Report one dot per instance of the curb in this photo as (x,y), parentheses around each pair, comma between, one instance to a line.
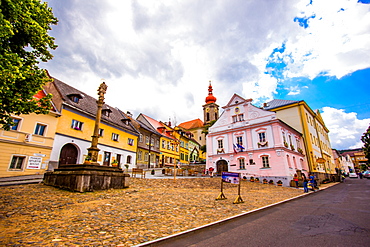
(219,222)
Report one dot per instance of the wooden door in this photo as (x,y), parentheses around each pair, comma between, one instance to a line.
(68,154)
(221,167)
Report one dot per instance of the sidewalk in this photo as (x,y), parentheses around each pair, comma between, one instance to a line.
(27,179)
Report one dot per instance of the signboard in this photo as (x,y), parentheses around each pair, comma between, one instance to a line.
(34,162)
(230,177)
(320,160)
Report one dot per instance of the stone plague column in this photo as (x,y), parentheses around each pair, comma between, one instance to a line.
(93,151)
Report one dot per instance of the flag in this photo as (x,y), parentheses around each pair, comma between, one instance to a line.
(235,148)
(241,148)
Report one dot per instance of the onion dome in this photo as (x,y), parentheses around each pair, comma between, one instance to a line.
(210,98)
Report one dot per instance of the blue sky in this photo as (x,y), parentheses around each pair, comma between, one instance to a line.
(157,57)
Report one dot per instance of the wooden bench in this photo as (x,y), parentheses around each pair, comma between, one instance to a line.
(137,171)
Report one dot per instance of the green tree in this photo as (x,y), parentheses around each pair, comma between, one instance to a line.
(366,140)
(24,42)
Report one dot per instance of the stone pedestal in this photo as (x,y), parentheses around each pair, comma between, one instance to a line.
(84,178)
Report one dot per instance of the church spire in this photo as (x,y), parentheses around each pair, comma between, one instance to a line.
(210,98)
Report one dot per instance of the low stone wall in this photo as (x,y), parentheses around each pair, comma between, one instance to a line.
(84,178)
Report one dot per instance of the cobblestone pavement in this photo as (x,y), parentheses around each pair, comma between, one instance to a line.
(39,215)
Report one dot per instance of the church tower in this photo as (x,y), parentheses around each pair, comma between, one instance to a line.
(210,109)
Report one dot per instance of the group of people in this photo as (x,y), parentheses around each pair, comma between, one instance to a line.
(310,181)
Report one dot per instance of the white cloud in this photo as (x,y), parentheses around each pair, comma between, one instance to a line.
(158,56)
(337,40)
(345,128)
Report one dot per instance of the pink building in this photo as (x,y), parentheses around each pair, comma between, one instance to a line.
(252,141)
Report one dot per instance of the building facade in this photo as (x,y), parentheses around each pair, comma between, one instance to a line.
(26,147)
(117,136)
(169,145)
(148,152)
(255,143)
(315,134)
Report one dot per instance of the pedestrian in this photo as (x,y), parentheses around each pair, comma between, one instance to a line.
(312,181)
(211,171)
(360,175)
(343,178)
(295,178)
(305,184)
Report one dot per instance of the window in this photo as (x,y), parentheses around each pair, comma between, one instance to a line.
(157,144)
(141,138)
(16,124)
(182,156)
(168,145)
(242,164)
(239,140)
(106,112)
(265,161)
(262,136)
(17,162)
(40,129)
(101,132)
(147,140)
(118,158)
(251,162)
(289,164)
(239,118)
(115,137)
(140,155)
(77,125)
(146,156)
(129,159)
(220,144)
(130,141)
(163,144)
(74,98)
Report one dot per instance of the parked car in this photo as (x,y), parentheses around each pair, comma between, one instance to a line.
(366,174)
(353,175)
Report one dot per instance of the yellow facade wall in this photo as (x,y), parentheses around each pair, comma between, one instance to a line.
(65,123)
(24,143)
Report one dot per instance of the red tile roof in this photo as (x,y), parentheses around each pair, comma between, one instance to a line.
(196,123)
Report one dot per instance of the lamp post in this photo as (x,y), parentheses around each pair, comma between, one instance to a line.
(93,151)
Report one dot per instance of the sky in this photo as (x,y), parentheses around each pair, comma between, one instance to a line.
(157,57)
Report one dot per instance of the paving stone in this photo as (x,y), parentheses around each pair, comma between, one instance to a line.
(39,215)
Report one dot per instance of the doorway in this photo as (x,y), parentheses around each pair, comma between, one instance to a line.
(221,167)
(68,154)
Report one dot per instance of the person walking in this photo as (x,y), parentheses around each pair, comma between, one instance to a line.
(312,182)
(305,183)
(295,178)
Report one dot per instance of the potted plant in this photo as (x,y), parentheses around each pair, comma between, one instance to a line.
(257,180)
(114,163)
(87,159)
(126,165)
(264,181)
(271,182)
(279,183)
(152,172)
(251,179)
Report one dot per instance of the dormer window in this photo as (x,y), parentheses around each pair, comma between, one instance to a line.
(75,97)
(126,120)
(106,112)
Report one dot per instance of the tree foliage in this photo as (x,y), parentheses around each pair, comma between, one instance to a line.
(366,140)
(24,42)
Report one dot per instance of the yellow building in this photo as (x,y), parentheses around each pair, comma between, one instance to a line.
(315,134)
(169,144)
(26,147)
(117,137)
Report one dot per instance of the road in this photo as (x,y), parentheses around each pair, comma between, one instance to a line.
(337,216)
